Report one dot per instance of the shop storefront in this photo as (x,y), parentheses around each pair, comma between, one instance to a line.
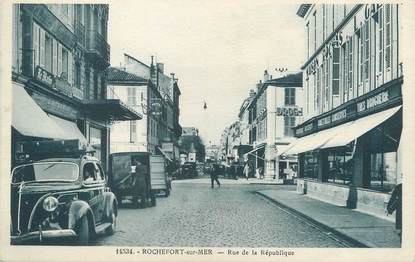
(55,117)
(256,160)
(351,155)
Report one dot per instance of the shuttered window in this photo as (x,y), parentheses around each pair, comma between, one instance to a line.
(336,72)
(388,36)
(48,53)
(36,39)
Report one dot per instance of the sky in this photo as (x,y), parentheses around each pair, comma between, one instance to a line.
(217,49)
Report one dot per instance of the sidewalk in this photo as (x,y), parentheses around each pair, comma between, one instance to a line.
(361,228)
(229,181)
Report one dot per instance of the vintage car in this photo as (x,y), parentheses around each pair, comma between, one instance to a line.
(61,198)
(188,170)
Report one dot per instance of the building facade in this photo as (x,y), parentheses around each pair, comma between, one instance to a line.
(349,139)
(190,131)
(273,112)
(212,153)
(59,59)
(149,91)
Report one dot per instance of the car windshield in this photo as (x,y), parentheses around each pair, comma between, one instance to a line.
(45,172)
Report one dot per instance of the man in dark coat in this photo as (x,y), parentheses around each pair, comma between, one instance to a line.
(395,203)
(214,174)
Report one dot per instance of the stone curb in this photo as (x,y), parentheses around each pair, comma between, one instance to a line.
(349,240)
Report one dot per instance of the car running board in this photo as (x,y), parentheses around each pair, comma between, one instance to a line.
(101,227)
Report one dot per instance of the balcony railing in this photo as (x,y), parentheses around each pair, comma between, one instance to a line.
(97,45)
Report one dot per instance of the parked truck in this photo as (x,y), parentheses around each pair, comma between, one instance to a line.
(138,176)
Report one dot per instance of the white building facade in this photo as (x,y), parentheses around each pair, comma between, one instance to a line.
(274,111)
(353,82)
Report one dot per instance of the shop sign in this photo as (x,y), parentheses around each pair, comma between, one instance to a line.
(371,9)
(304,129)
(339,115)
(289,111)
(373,101)
(324,121)
(167,147)
(337,40)
(44,76)
(312,67)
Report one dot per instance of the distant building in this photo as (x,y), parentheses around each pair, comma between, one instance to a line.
(190,131)
(244,119)
(274,110)
(156,96)
(212,153)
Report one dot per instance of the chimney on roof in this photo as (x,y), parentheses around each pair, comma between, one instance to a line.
(258,86)
(252,93)
(152,60)
(266,76)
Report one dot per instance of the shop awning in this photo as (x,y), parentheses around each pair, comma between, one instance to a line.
(315,141)
(29,119)
(111,109)
(359,127)
(164,154)
(340,135)
(283,148)
(254,150)
(70,129)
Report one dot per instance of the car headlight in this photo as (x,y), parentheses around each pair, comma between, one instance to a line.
(50,203)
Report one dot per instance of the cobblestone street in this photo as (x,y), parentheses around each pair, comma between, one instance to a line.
(231,216)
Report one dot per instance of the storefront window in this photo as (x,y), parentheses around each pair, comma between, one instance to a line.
(383,171)
(383,147)
(310,165)
(339,167)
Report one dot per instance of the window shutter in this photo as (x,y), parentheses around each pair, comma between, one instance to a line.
(70,68)
(35,45)
(55,56)
(42,48)
(59,59)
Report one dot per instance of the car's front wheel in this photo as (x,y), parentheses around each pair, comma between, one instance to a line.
(110,230)
(83,232)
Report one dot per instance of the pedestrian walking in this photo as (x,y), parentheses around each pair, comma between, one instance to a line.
(214,175)
(395,204)
(246,170)
(261,173)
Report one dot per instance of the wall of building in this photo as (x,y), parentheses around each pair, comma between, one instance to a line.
(123,137)
(357,57)
(136,67)
(354,65)
(53,49)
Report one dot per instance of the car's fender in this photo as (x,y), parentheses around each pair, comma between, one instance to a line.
(77,210)
(109,200)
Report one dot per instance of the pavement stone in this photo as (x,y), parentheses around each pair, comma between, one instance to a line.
(367,229)
(229,216)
